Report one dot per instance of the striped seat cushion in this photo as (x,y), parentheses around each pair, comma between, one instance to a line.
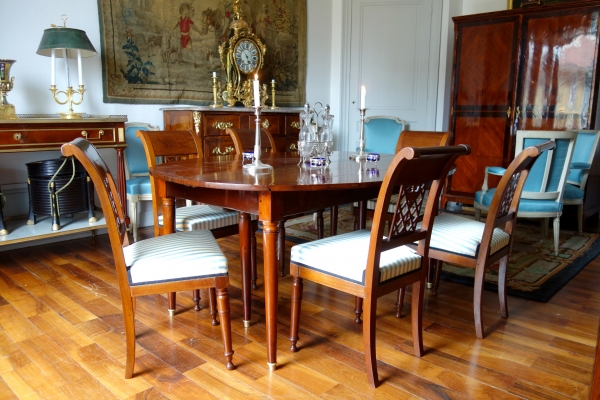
(202,216)
(345,256)
(461,235)
(182,255)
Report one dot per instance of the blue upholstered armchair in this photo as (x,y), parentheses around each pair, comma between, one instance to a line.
(585,149)
(542,195)
(136,171)
(382,133)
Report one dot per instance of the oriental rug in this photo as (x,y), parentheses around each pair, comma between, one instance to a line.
(534,272)
(147,58)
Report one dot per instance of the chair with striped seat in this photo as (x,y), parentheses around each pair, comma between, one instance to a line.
(168,146)
(180,261)
(469,243)
(370,264)
(583,155)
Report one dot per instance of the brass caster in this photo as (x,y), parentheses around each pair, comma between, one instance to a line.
(30,222)
(246,324)
(171,313)
(272,366)
(3,232)
(93,219)
(429,285)
(55,227)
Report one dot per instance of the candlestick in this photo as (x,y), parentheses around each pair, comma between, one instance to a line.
(363,93)
(67,67)
(214,74)
(256,92)
(79,71)
(216,103)
(53,67)
(273,106)
(361,155)
(257,166)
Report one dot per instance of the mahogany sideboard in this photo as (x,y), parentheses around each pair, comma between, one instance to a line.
(210,125)
(532,68)
(31,133)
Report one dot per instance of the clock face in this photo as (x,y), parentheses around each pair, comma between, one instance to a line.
(246,56)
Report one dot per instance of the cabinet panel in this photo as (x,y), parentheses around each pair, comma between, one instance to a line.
(216,124)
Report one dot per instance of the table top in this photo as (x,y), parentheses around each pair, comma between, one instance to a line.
(227,173)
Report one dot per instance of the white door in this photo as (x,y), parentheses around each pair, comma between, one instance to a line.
(394,53)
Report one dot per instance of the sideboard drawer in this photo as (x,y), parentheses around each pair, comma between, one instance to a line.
(218,145)
(42,138)
(292,125)
(267,122)
(216,124)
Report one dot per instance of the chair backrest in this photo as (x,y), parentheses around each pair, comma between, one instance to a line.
(108,195)
(583,155)
(163,147)
(422,139)
(135,159)
(548,174)
(382,133)
(412,172)
(244,139)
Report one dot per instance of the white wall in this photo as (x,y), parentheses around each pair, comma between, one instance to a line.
(481,6)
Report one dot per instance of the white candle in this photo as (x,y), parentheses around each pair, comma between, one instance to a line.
(53,67)
(79,71)
(273,81)
(67,67)
(214,74)
(256,92)
(363,93)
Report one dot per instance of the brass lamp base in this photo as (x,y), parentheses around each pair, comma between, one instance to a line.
(7,111)
(71,115)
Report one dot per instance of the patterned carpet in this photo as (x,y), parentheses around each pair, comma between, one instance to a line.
(533,270)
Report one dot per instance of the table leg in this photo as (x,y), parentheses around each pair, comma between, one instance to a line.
(244,235)
(362,224)
(169,227)
(333,221)
(271,289)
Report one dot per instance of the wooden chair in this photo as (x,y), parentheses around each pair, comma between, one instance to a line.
(180,145)
(180,261)
(370,264)
(243,140)
(472,244)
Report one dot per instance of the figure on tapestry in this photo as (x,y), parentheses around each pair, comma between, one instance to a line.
(185,25)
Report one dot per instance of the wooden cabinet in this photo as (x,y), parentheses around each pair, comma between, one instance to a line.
(530,68)
(210,124)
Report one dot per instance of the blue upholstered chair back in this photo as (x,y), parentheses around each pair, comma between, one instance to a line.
(382,133)
(134,152)
(548,175)
(585,148)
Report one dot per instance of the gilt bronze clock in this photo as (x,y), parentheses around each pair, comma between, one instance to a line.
(247,56)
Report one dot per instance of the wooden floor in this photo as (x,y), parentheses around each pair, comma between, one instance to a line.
(62,337)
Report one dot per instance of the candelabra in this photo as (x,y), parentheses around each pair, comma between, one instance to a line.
(273,106)
(257,166)
(70,94)
(361,155)
(216,103)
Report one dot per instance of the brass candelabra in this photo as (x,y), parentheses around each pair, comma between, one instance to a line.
(70,94)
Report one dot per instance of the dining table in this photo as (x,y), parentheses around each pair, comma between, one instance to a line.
(288,188)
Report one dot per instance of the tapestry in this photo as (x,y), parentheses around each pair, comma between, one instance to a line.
(165,51)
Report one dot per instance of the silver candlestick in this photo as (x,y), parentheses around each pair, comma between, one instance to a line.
(361,155)
(257,166)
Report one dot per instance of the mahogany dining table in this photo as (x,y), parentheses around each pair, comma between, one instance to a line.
(288,189)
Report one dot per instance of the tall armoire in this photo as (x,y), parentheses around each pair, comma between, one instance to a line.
(529,68)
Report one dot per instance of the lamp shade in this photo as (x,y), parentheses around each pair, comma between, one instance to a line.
(65,38)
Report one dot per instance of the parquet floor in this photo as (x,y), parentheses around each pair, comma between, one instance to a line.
(61,337)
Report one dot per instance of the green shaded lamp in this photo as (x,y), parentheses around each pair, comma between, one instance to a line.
(63,42)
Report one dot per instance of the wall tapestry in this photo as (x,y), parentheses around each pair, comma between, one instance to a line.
(164,51)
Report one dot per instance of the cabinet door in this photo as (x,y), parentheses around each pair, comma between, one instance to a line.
(557,70)
(483,92)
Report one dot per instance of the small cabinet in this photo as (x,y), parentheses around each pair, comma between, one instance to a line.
(211,124)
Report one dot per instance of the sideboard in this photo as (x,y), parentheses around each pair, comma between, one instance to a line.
(31,133)
(210,125)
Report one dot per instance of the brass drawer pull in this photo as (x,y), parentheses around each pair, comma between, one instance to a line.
(222,125)
(228,149)
(293,146)
(295,124)
(266,124)
(84,134)
(17,136)
(101,132)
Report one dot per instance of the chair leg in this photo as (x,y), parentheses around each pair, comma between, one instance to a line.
(544,227)
(245,234)
(297,288)
(133,218)
(580,218)
(281,247)
(358,309)
(320,223)
(172,298)
(224,313)
(369,340)
(556,234)
(418,290)
(502,287)
(196,294)
(253,270)
(129,320)
(212,306)
(400,302)
(436,277)
(477,214)
(477,295)
(333,219)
